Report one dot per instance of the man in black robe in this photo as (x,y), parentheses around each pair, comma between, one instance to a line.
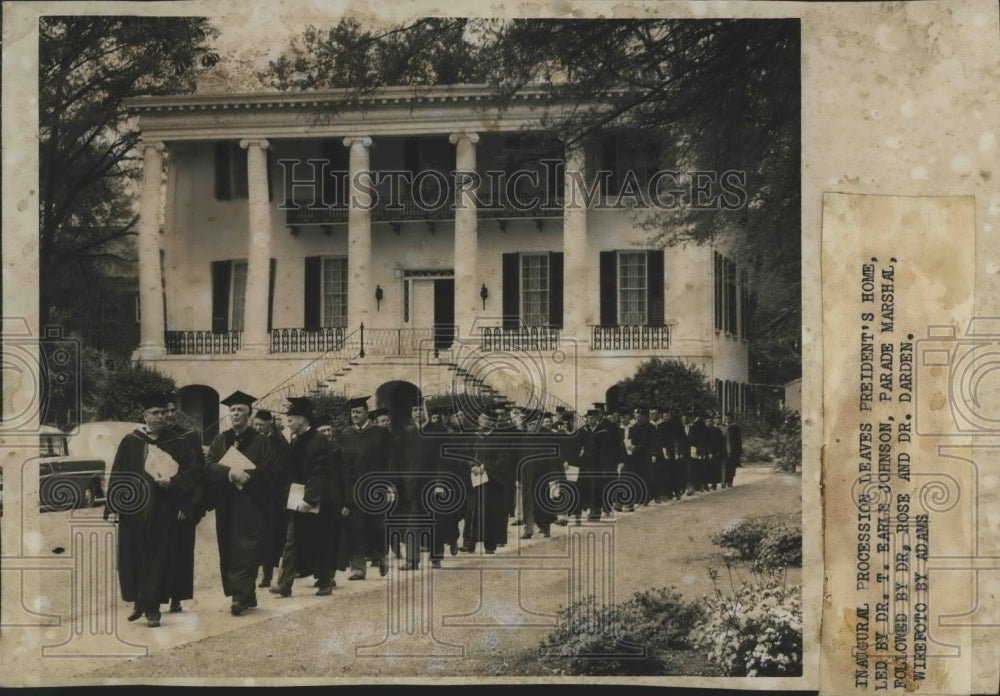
(313,530)
(242,473)
(182,551)
(367,455)
(153,478)
(493,497)
(644,456)
(272,542)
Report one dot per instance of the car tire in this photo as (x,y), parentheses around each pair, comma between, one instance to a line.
(89,497)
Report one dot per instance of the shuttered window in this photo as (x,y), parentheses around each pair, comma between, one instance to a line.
(533,290)
(632,288)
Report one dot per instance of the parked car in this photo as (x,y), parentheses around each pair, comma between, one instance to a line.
(67,481)
(100,440)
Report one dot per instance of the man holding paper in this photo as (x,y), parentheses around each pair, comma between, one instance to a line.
(152,479)
(316,501)
(242,472)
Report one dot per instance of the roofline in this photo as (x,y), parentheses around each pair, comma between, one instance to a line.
(399,94)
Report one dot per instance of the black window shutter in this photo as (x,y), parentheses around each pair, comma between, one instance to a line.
(609,288)
(221,272)
(223,169)
(511,291)
(313,300)
(556,289)
(270,292)
(654,287)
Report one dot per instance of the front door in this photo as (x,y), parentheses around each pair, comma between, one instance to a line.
(444,313)
(429,311)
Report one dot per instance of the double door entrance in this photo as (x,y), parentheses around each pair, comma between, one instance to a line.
(429,304)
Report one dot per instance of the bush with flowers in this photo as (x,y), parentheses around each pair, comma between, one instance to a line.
(754,630)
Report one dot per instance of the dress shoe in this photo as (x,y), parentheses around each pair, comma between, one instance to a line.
(264,583)
(252,604)
(237,608)
(383,568)
(281,591)
(324,591)
(355,576)
(153,619)
(454,549)
(136,613)
(175,606)
(526,535)
(491,551)
(466,549)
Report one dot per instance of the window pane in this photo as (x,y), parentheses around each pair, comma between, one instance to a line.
(239,295)
(335,292)
(632,288)
(535,289)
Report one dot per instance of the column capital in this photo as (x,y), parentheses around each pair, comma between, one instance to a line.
(362,139)
(157,145)
(261,143)
(463,135)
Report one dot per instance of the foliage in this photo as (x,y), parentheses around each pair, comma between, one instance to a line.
(743,535)
(87,159)
(756,629)
(668,384)
(629,638)
(788,443)
(333,407)
(756,450)
(118,395)
(781,547)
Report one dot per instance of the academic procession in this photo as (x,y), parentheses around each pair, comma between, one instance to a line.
(295,500)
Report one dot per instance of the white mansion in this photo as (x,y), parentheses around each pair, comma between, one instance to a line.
(292,244)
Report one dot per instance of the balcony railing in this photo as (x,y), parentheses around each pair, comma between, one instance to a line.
(409,210)
(521,338)
(307,340)
(407,341)
(202,342)
(630,337)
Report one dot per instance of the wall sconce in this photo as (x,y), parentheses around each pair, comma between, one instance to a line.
(378,297)
(484,293)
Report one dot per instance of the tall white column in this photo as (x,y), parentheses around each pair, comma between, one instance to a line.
(151,338)
(467,300)
(255,338)
(577,291)
(360,292)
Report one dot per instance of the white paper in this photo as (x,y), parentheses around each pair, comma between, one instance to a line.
(296,498)
(237,461)
(480,478)
(160,465)
(572,473)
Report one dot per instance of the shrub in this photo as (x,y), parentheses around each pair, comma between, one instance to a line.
(744,535)
(628,638)
(756,449)
(781,547)
(756,630)
(788,443)
(119,393)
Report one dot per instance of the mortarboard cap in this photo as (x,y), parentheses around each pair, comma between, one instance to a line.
(358,402)
(238,397)
(154,399)
(547,414)
(263,414)
(378,412)
(560,409)
(300,406)
(594,412)
(598,405)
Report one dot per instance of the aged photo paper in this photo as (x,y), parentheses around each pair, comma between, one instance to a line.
(899,399)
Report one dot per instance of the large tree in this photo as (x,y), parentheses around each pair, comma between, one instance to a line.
(88,165)
(716,95)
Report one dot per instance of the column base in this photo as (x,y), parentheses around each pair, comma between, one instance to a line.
(149,351)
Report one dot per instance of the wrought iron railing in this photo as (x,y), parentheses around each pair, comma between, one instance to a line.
(202,342)
(410,210)
(407,341)
(521,338)
(630,337)
(307,340)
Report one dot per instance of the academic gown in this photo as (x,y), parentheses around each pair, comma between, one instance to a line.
(241,514)
(147,514)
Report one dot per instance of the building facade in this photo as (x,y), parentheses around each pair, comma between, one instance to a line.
(299,244)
